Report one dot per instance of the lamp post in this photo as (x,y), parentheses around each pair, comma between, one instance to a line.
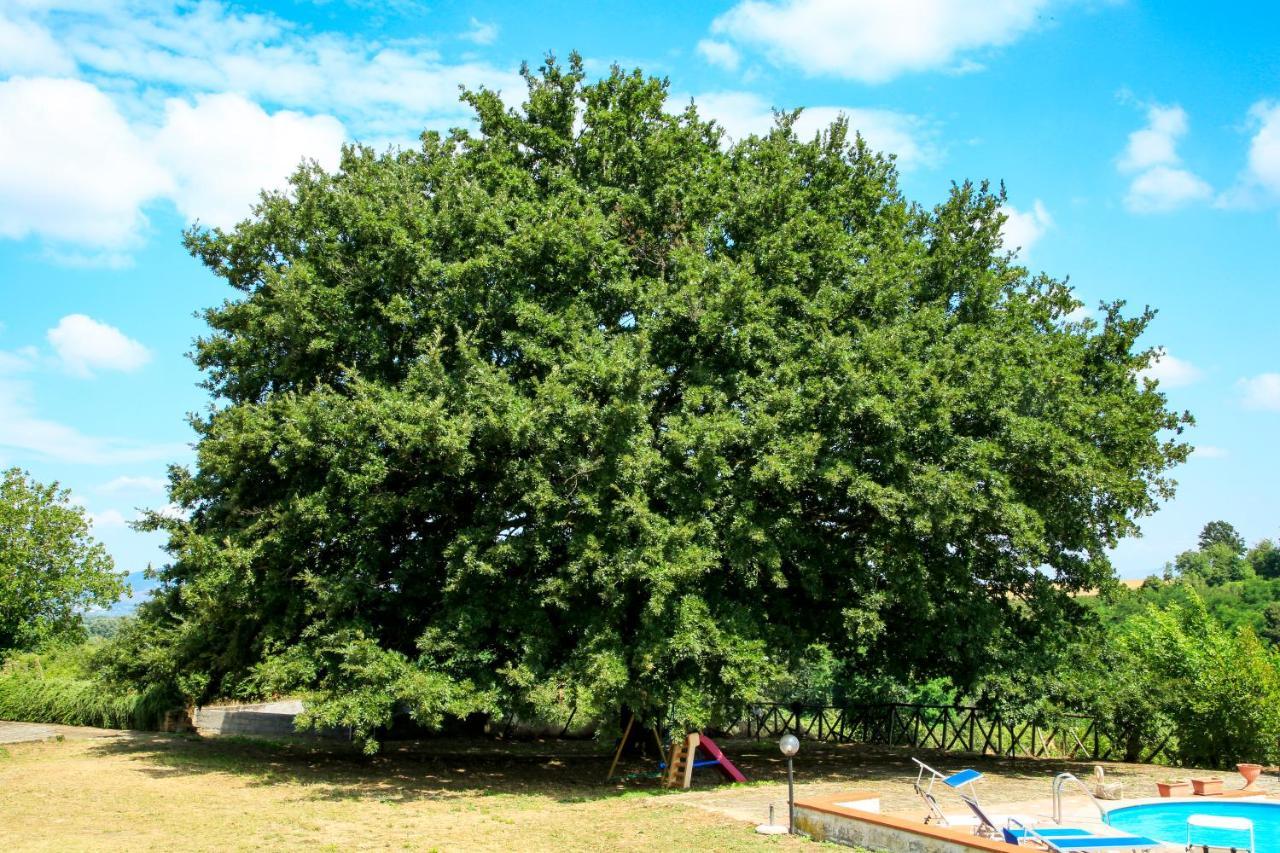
(789,744)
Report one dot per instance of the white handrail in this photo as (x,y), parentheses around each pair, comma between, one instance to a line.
(1058,782)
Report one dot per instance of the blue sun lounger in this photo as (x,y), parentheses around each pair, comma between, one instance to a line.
(1065,839)
(958,781)
(985,827)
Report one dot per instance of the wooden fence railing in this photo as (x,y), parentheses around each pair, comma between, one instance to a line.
(942,727)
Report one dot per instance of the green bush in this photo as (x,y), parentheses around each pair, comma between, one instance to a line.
(1165,667)
(1221,687)
(58,685)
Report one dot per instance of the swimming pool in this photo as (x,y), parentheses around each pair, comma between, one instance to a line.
(1168,822)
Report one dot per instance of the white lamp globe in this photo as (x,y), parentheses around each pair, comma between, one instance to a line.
(789,744)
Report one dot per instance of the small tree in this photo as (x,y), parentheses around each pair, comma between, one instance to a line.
(1222,533)
(1265,559)
(1214,564)
(51,569)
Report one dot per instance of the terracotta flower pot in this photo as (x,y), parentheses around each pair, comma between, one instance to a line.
(1250,772)
(1174,787)
(1207,787)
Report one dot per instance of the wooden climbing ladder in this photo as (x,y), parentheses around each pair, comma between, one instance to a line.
(680,765)
(684,758)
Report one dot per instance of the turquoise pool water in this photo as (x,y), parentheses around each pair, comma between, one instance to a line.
(1168,822)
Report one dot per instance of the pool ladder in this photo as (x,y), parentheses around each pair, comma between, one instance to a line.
(1060,780)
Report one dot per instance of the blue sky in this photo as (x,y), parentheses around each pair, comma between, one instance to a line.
(1139,142)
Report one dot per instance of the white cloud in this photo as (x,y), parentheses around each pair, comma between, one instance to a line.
(481,33)
(108,518)
(18,361)
(1261,177)
(80,159)
(376,87)
(26,47)
(223,150)
(172,511)
(876,40)
(71,167)
(1078,314)
(1160,184)
(74,170)
(84,345)
(1264,149)
(1022,229)
(909,137)
(134,485)
(1163,190)
(23,430)
(1208,451)
(1261,391)
(1172,372)
(719,53)
(1155,144)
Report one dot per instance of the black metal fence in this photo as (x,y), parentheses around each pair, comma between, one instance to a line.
(944,727)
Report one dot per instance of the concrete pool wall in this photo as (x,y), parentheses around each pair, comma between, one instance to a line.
(854,819)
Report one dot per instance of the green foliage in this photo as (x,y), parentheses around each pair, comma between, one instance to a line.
(1216,563)
(1183,658)
(51,569)
(60,685)
(590,398)
(1220,687)
(1222,557)
(1108,679)
(1222,533)
(1233,604)
(1264,559)
(1270,629)
(813,678)
(99,626)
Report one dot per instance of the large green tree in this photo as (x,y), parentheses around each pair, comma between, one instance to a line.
(590,397)
(51,569)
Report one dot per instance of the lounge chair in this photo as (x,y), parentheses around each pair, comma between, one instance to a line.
(1065,839)
(985,826)
(957,781)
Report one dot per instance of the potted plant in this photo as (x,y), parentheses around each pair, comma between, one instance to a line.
(1207,787)
(1250,773)
(1174,787)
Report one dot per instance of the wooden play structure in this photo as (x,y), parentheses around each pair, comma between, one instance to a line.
(682,759)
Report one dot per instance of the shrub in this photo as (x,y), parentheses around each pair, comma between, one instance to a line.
(58,686)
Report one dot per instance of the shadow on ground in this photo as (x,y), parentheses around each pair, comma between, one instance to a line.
(564,771)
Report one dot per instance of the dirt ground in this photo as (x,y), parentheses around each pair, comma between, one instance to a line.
(22,732)
(151,791)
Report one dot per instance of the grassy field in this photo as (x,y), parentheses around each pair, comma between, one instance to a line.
(142,792)
(138,791)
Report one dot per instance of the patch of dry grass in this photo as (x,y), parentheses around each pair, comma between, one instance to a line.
(142,792)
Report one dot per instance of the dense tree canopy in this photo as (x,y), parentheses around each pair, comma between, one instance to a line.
(51,569)
(591,398)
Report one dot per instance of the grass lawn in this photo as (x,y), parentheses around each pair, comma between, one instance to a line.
(100,790)
(147,791)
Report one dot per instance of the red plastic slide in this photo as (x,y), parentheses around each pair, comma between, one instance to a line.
(724,765)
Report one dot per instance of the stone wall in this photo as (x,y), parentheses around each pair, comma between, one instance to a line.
(267,719)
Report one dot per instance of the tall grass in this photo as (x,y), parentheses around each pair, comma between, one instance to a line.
(57,686)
